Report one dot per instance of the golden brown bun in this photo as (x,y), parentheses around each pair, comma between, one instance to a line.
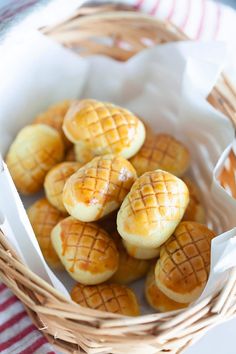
(35,150)
(161,151)
(54,117)
(153,208)
(141,252)
(55,181)
(195,210)
(129,269)
(98,188)
(182,270)
(107,297)
(43,217)
(70,155)
(100,128)
(89,255)
(156,298)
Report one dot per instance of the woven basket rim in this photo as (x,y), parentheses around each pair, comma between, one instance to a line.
(51,311)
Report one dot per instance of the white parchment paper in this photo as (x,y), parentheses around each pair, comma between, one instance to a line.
(167,86)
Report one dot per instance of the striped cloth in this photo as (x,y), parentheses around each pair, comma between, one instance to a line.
(17,333)
(200,20)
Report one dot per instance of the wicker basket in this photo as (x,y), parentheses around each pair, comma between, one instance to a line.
(65,324)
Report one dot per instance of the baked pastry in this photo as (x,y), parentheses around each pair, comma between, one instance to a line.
(107,297)
(161,151)
(182,270)
(156,298)
(100,128)
(153,208)
(55,181)
(89,255)
(129,269)
(54,117)
(195,210)
(35,150)
(43,217)
(98,187)
(141,252)
(70,155)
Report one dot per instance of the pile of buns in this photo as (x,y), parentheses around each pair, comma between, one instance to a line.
(118,206)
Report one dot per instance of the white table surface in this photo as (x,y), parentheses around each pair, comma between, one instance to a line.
(219,340)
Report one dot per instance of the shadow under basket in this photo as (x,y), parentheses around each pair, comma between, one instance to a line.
(68,326)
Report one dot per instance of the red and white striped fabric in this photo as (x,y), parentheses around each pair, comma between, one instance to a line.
(200,20)
(17,333)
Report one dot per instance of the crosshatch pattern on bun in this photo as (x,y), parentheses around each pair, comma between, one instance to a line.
(100,128)
(183,267)
(99,187)
(55,181)
(152,209)
(156,298)
(87,252)
(161,151)
(107,297)
(35,150)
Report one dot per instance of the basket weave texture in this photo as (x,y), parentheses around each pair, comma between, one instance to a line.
(67,325)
